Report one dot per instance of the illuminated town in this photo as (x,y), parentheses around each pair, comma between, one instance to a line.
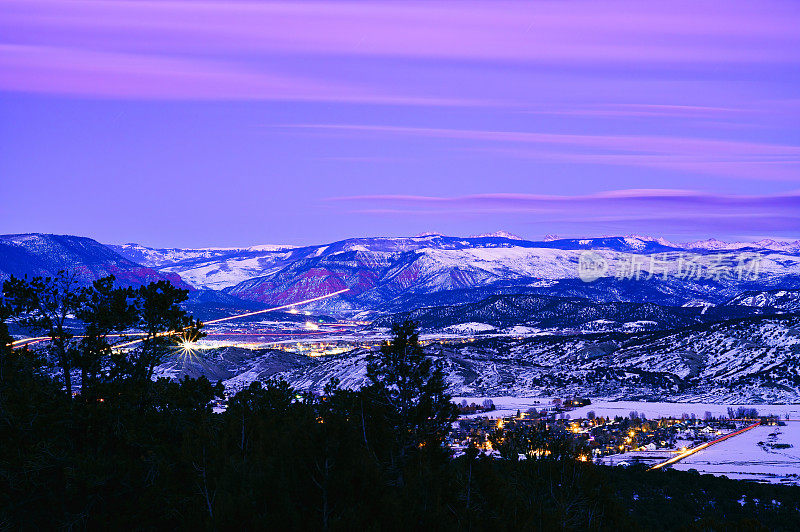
(619,440)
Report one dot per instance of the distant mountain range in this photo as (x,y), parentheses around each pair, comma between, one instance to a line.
(395,275)
(400,274)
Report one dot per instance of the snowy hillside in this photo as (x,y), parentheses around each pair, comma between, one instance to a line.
(42,254)
(753,360)
(786,300)
(209,268)
(540,311)
(767,243)
(657,334)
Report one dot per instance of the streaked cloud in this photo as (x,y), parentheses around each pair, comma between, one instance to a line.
(657,210)
(231,47)
(72,71)
(727,158)
(583,30)
(427,99)
(647,110)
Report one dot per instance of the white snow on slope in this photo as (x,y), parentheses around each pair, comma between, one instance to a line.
(757,454)
(217,275)
(443,268)
(498,234)
(656,410)
(767,243)
(470,327)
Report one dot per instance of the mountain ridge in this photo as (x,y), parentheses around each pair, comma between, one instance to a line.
(38,254)
(383,272)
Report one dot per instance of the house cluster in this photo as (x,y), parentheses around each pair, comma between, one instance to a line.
(464,408)
(604,436)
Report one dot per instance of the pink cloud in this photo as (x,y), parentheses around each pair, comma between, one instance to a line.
(737,166)
(647,110)
(217,37)
(551,31)
(632,143)
(622,194)
(778,212)
(44,69)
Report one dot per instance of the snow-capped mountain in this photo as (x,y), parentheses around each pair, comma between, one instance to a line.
(404,273)
(500,234)
(222,268)
(159,257)
(659,334)
(381,271)
(208,268)
(766,243)
(377,277)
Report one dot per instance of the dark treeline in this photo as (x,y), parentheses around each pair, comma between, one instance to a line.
(132,452)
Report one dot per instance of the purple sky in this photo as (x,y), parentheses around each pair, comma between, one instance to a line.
(218,123)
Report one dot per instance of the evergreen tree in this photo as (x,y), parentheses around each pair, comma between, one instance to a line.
(44,305)
(6,348)
(163,322)
(105,310)
(412,391)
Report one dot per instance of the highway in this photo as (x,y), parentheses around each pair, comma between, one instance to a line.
(706,445)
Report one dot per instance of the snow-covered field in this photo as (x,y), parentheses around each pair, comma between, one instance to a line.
(757,454)
(507,406)
(657,410)
(470,328)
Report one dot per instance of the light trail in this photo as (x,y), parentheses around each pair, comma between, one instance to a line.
(317,333)
(237,316)
(26,340)
(30,341)
(704,446)
(37,339)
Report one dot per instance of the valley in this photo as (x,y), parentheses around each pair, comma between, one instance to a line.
(503,316)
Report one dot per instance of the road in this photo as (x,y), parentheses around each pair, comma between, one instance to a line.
(706,445)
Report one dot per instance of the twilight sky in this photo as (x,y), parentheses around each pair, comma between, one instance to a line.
(225,123)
